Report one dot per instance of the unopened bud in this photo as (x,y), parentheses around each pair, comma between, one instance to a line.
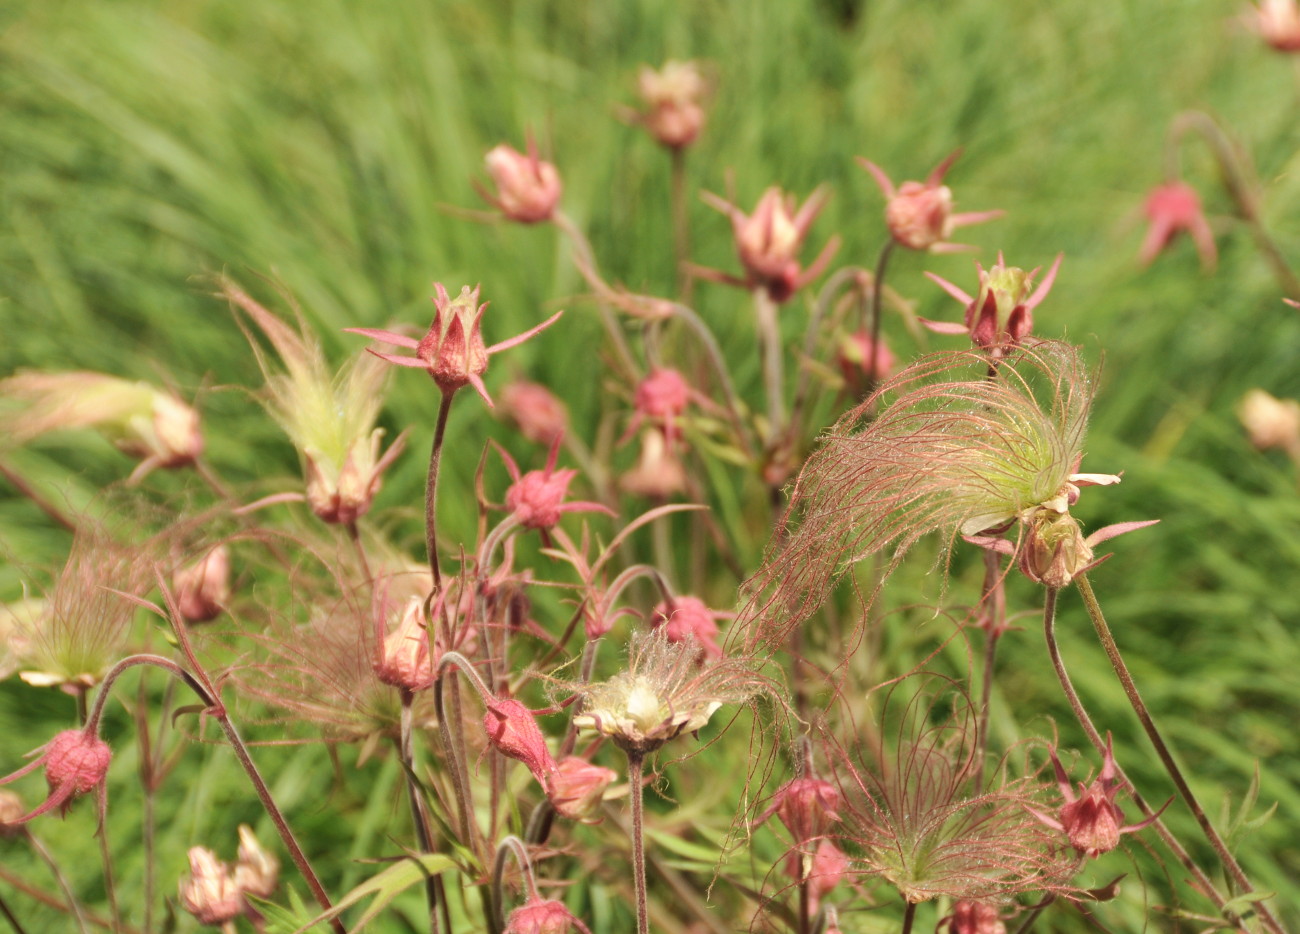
(975,918)
(806,806)
(210,892)
(257,871)
(203,589)
(576,787)
(403,657)
(528,188)
(686,618)
(513,731)
(78,760)
(541,416)
(542,916)
(672,95)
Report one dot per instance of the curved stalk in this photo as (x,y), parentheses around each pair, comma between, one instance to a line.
(1162,750)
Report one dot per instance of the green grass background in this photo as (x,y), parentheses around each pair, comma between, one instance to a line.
(146,145)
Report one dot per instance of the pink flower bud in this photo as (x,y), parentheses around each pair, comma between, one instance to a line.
(658,473)
(528,189)
(861,365)
(1171,209)
(806,806)
(919,214)
(1092,821)
(210,892)
(828,867)
(672,95)
(542,916)
(257,871)
(513,732)
(975,918)
(403,658)
(541,416)
(576,787)
(1278,23)
(537,497)
(11,812)
(76,760)
(202,590)
(661,398)
(687,618)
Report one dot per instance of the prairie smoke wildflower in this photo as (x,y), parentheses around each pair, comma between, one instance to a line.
(540,416)
(452,351)
(1271,422)
(823,869)
(575,787)
(202,589)
(76,763)
(663,693)
(658,473)
(949,451)
(143,421)
(1002,315)
(1091,820)
(807,806)
(402,656)
(543,916)
(912,816)
(512,730)
(673,114)
(660,399)
(970,917)
(1277,22)
(330,417)
(210,892)
(769,242)
(919,214)
(687,619)
(860,362)
(537,498)
(528,188)
(1171,209)
(256,871)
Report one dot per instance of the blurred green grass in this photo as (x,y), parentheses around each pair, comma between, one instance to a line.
(147,145)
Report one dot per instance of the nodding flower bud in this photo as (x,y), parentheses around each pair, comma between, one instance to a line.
(75,762)
(672,95)
(1278,23)
(827,867)
(1171,209)
(528,188)
(806,806)
(1091,820)
(402,659)
(970,917)
(513,731)
(11,812)
(1053,549)
(687,618)
(210,892)
(257,871)
(576,787)
(542,916)
(1271,422)
(862,363)
(537,497)
(661,398)
(202,589)
(541,417)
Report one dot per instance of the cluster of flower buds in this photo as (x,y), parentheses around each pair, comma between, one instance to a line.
(216,894)
(673,115)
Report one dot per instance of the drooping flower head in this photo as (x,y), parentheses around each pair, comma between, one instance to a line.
(145,422)
(769,242)
(537,498)
(202,589)
(528,187)
(330,417)
(672,95)
(575,787)
(1091,820)
(861,363)
(540,415)
(664,692)
(543,916)
(1171,209)
(919,214)
(210,892)
(661,399)
(452,351)
(685,619)
(939,448)
(76,763)
(512,730)
(807,806)
(1001,316)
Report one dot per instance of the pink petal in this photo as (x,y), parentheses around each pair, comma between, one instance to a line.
(1119,528)
(936,175)
(1094,479)
(943,327)
(477,382)
(583,506)
(386,337)
(398,359)
(975,217)
(886,186)
(949,288)
(531,332)
(1045,286)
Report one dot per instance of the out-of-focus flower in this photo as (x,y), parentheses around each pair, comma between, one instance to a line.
(542,916)
(402,658)
(658,473)
(575,787)
(1171,209)
(1091,820)
(663,693)
(769,242)
(19,622)
(512,730)
(919,214)
(329,417)
(540,415)
(1002,315)
(861,364)
(11,812)
(1277,22)
(202,589)
(672,96)
(210,892)
(76,762)
(528,187)
(537,498)
(1271,422)
(143,421)
(257,870)
(452,351)
(807,806)
(687,619)
(660,399)
(827,867)
(970,917)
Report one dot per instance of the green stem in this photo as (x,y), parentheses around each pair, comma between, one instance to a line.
(1162,750)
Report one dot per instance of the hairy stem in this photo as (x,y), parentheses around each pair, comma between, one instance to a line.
(909,915)
(74,906)
(19,483)
(877,289)
(431,490)
(423,837)
(635,773)
(1162,750)
(993,604)
(769,337)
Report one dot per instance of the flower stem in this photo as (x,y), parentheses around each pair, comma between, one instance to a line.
(1162,749)
(909,915)
(406,750)
(877,289)
(769,336)
(635,773)
(993,604)
(431,490)
(681,226)
(60,879)
(1203,883)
